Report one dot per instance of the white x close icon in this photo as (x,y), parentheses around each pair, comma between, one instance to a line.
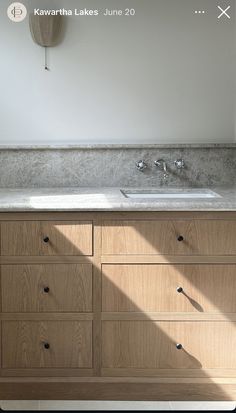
(224,12)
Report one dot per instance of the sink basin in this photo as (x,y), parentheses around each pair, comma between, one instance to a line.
(170,193)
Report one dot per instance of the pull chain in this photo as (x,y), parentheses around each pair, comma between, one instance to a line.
(46,58)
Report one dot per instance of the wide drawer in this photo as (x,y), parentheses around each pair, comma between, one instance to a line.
(45,288)
(176,288)
(150,345)
(33,238)
(172,237)
(47,344)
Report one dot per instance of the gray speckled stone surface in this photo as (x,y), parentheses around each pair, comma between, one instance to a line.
(114,167)
(106,199)
(119,146)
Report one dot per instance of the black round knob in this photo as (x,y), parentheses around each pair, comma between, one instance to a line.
(46,239)
(179,290)
(46,289)
(180,238)
(179,346)
(47,346)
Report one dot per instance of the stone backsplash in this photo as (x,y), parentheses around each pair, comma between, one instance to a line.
(114,166)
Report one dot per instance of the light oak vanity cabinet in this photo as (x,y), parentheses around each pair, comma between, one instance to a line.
(118,306)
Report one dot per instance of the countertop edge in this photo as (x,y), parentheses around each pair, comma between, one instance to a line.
(116,146)
(110,200)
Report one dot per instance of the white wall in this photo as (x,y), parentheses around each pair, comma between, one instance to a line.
(165,75)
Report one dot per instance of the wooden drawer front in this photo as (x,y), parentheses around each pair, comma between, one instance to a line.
(26,238)
(150,345)
(201,237)
(25,288)
(23,344)
(206,288)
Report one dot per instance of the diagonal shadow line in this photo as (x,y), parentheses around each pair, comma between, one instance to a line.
(166,342)
(214,296)
(116,300)
(219,305)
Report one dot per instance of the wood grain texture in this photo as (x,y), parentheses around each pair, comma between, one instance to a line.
(132,343)
(167,259)
(23,344)
(48,216)
(206,288)
(148,344)
(25,238)
(46,316)
(164,215)
(113,380)
(70,288)
(20,238)
(97,300)
(201,237)
(117,391)
(167,316)
(212,375)
(53,259)
(67,238)
(46,373)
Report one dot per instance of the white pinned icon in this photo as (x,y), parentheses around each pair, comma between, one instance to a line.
(224,12)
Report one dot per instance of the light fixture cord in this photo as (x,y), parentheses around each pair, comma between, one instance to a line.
(46,58)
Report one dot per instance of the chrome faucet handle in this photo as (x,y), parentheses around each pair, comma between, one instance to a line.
(179,163)
(141,165)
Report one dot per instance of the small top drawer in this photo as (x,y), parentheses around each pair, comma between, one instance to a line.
(47,238)
(173,237)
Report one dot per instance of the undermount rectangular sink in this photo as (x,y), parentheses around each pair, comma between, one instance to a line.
(170,193)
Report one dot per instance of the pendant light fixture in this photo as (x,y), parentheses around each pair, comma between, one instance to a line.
(46,32)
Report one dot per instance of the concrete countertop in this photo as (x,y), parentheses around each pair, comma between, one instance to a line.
(108,199)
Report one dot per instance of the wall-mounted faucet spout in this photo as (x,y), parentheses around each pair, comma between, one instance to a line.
(162,165)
